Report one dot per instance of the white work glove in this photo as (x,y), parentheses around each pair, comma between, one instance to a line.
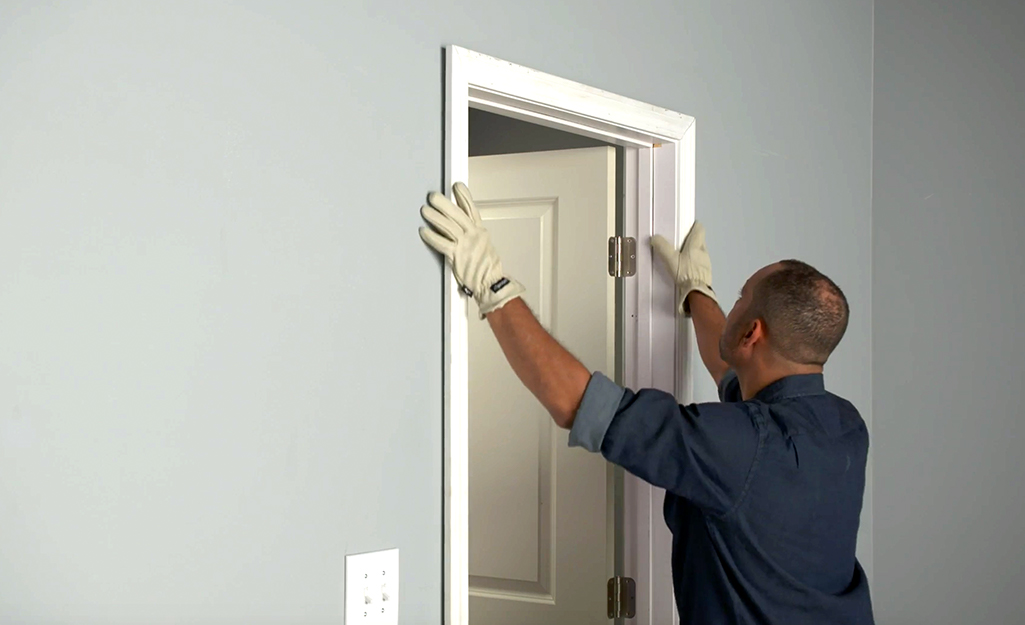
(690,268)
(458,233)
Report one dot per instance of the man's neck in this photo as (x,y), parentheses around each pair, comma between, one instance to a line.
(754,379)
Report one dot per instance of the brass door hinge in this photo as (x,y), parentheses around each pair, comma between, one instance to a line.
(622,597)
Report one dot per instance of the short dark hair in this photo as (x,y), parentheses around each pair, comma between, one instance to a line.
(805,313)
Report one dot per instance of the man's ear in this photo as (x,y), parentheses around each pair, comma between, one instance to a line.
(755,332)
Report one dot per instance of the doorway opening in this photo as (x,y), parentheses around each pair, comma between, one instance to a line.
(542,516)
(557,168)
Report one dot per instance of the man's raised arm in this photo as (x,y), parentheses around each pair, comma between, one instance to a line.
(691,269)
(545,367)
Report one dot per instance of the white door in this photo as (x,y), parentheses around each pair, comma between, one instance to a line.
(540,539)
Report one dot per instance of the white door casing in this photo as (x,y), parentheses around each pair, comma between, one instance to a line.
(660,192)
(538,548)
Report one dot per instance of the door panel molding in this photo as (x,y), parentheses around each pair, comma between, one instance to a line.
(538,586)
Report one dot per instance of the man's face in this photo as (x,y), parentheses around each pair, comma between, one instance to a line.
(738,322)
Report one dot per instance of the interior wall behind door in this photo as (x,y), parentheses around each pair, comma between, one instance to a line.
(497,134)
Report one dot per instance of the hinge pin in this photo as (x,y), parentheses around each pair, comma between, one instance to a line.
(622,257)
(622,597)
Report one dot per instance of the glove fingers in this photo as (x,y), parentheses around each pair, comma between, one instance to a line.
(695,238)
(664,250)
(440,222)
(465,201)
(440,244)
(443,205)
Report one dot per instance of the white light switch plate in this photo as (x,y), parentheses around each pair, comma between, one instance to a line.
(372,588)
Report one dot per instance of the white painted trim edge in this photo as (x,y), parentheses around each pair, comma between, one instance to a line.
(565,99)
(456,544)
(668,209)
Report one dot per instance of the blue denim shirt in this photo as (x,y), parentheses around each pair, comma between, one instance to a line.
(763,497)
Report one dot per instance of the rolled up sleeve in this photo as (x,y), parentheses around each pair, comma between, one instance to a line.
(597,409)
(701,452)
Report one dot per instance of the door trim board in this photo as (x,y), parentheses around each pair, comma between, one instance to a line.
(660,192)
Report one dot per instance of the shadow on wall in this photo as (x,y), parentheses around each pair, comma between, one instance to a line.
(497,134)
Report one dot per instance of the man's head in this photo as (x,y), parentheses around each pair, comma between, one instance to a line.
(787,312)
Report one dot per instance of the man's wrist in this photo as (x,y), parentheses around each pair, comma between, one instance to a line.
(503,291)
(697,295)
(688,290)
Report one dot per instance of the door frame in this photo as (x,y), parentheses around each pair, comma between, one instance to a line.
(659,199)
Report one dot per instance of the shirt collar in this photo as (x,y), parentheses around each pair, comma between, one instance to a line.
(792,386)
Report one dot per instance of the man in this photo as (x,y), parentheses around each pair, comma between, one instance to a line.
(764,490)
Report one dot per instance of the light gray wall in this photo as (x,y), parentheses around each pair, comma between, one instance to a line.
(948,298)
(220,347)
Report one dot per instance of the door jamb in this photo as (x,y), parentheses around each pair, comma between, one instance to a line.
(660,198)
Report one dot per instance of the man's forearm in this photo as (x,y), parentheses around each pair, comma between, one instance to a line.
(709,322)
(551,373)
